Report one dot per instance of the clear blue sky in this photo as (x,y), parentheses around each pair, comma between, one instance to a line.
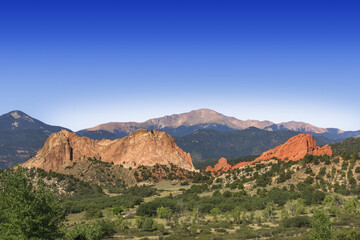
(82,63)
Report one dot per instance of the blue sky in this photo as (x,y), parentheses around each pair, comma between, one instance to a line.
(82,63)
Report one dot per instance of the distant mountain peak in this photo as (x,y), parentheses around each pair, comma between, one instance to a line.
(19,115)
(18,120)
(21,136)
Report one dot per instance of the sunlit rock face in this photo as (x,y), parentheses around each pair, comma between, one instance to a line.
(142,147)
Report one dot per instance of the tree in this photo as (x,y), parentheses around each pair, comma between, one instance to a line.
(215,212)
(268,212)
(236,213)
(321,226)
(148,224)
(118,210)
(333,202)
(27,211)
(163,212)
(352,206)
(93,212)
(86,231)
(294,207)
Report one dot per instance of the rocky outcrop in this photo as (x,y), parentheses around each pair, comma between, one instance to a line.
(292,150)
(142,147)
(222,165)
(296,148)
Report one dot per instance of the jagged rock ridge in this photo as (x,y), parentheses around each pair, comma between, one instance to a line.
(143,147)
(296,148)
(292,150)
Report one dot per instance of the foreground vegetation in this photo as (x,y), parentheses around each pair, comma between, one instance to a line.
(314,198)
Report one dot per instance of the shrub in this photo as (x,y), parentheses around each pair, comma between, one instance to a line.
(297,221)
(118,210)
(308,170)
(322,171)
(86,231)
(93,213)
(309,180)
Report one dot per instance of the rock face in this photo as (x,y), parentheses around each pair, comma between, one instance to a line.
(142,147)
(222,165)
(296,148)
(292,150)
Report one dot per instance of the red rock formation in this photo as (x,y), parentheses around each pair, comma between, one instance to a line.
(293,149)
(296,148)
(242,164)
(222,165)
(139,148)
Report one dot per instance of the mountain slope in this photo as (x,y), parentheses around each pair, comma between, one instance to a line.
(349,145)
(209,144)
(21,136)
(185,123)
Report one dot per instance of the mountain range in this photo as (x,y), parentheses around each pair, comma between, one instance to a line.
(201,132)
(186,123)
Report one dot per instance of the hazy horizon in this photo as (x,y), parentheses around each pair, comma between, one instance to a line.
(78,65)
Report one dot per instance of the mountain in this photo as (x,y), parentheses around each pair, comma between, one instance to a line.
(18,120)
(98,134)
(349,145)
(331,133)
(297,127)
(210,144)
(294,149)
(185,123)
(21,136)
(141,148)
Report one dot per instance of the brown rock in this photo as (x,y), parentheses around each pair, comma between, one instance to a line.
(222,165)
(142,147)
(292,150)
(296,148)
(241,164)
